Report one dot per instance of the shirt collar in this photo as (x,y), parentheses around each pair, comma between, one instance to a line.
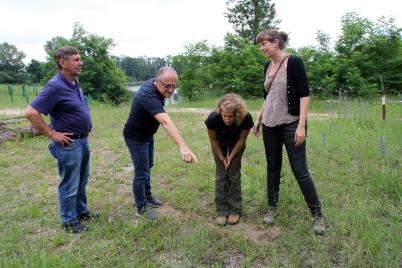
(69,84)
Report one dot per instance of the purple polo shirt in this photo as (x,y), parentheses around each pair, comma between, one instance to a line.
(66,104)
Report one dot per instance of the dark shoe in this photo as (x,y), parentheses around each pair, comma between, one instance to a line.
(153,202)
(88,216)
(319,224)
(146,213)
(74,227)
(269,218)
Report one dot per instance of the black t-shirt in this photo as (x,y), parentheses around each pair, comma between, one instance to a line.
(227,134)
(141,124)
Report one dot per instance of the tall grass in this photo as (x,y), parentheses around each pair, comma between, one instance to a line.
(354,158)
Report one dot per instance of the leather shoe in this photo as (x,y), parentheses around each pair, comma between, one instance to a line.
(153,202)
(88,216)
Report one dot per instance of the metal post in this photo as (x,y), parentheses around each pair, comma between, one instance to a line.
(382,98)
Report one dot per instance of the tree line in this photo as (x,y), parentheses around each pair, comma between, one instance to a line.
(364,51)
(353,65)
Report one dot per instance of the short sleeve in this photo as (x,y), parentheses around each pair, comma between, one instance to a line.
(211,121)
(154,105)
(247,122)
(46,100)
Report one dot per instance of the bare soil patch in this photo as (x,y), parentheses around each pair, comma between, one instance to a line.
(11,112)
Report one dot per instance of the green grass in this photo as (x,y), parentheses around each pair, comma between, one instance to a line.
(360,188)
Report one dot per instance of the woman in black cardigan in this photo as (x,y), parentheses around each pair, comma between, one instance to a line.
(284,121)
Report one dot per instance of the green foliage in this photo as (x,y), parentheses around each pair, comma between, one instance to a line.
(142,68)
(11,65)
(364,51)
(249,17)
(36,70)
(235,68)
(191,66)
(100,78)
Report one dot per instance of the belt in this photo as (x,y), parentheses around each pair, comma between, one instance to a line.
(79,136)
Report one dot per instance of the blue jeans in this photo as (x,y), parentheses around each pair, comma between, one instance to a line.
(274,138)
(142,155)
(73,164)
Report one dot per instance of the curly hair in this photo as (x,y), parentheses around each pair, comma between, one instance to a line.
(233,103)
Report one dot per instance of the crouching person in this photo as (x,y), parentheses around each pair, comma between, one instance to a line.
(228,127)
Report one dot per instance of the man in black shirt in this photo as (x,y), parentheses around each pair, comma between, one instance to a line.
(147,113)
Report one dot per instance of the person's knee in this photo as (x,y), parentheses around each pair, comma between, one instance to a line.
(301,174)
(66,191)
(140,178)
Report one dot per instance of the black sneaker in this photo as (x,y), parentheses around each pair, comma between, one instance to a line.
(74,227)
(88,216)
(146,213)
(153,202)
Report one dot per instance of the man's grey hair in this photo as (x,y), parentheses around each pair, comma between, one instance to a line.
(64,53)
(161,71)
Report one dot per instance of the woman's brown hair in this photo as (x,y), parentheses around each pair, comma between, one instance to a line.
(271,35)
(234,104)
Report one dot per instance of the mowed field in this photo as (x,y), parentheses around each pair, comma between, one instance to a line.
(353,156)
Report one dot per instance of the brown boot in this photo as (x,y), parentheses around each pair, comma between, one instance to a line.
(233,219)
(221,220)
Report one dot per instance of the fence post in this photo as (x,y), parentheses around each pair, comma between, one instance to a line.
(382,98)
(11,94)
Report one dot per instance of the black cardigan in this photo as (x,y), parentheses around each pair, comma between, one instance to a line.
(297,83)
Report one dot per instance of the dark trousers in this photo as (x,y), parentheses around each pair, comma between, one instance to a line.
(142,155)
(274,138)
(228,185)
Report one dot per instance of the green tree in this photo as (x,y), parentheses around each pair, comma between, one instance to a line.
(249,17)
(321,66)
(365,50)
(142,68)
(100,78)
(238,68)
(11,65)
(36,70)
(190,66)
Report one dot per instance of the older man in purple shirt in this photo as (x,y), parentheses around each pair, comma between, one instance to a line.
(70,119)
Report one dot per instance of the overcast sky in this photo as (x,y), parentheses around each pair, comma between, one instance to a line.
(157,28)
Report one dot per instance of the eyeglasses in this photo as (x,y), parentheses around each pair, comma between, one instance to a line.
(170,87)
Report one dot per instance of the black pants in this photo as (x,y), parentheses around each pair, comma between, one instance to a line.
(274,138)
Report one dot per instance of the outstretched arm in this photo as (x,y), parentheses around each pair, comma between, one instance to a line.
(186,154)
